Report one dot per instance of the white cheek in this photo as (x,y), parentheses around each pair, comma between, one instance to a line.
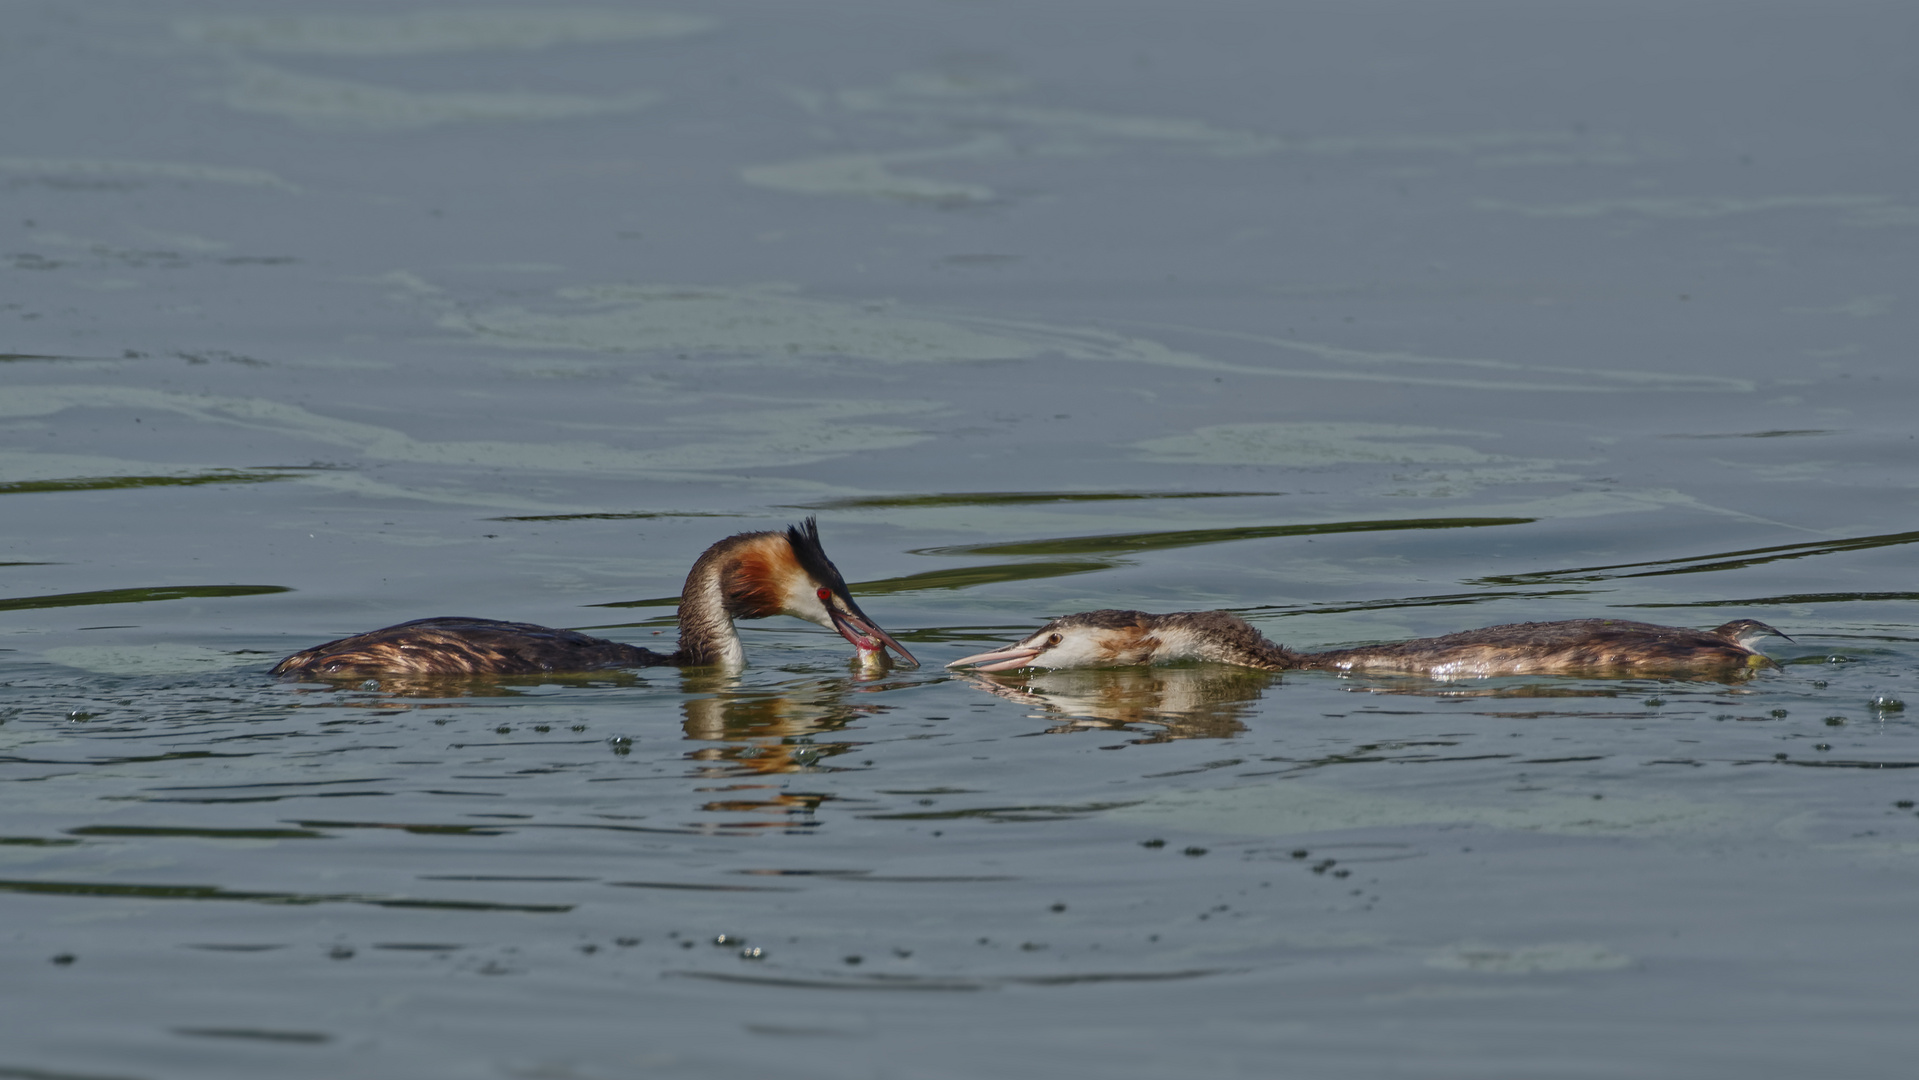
(802,601)
(1072,654)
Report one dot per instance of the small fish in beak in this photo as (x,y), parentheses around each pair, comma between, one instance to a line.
(863,632)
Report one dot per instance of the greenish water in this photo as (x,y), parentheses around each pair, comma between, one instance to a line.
(1364,322)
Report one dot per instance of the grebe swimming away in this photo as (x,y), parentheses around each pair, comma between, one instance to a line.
(748,576)
(1575,647)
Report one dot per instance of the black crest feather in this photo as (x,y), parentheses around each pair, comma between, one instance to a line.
(805,539)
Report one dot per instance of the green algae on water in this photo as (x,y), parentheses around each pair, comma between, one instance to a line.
(136,596)
(112,483)
(1117,543)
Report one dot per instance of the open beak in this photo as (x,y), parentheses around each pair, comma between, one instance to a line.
(855,627)
(1016,656)
(1752,631)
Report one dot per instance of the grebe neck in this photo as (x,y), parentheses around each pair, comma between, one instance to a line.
(707,633)
(1218,637)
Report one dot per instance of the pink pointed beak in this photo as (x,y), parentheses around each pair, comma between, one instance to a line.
(865,635)
(1016,656)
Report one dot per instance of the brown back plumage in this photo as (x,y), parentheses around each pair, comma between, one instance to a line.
(453,645)
(1570,647)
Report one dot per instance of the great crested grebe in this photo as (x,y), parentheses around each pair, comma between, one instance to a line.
(1574,647)
(748,576)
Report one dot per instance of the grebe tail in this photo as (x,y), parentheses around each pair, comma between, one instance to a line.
(747,576)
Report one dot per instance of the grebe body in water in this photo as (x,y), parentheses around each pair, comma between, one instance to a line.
(1574,647)
(748,576)
(1571,647)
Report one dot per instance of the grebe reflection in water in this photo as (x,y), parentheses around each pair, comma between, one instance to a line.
(748,576)
(1207,701)
(1575,647)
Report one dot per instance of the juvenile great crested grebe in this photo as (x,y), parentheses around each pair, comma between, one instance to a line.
(1575,647)
(748,576)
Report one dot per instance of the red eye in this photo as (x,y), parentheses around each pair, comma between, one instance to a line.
(824,595)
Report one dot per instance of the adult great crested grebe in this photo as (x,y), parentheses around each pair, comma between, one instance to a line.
(748,576)
(1574,647)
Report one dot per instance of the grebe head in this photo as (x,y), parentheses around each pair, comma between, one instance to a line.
(1089,639)
(789,574)
(1745,632)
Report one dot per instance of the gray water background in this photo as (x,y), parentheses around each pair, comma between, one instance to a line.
(1366,320)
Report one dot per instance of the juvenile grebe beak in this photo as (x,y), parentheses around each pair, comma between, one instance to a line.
(1016,656)
(863,632)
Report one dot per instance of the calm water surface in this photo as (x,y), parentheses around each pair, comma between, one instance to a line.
(1365,321)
